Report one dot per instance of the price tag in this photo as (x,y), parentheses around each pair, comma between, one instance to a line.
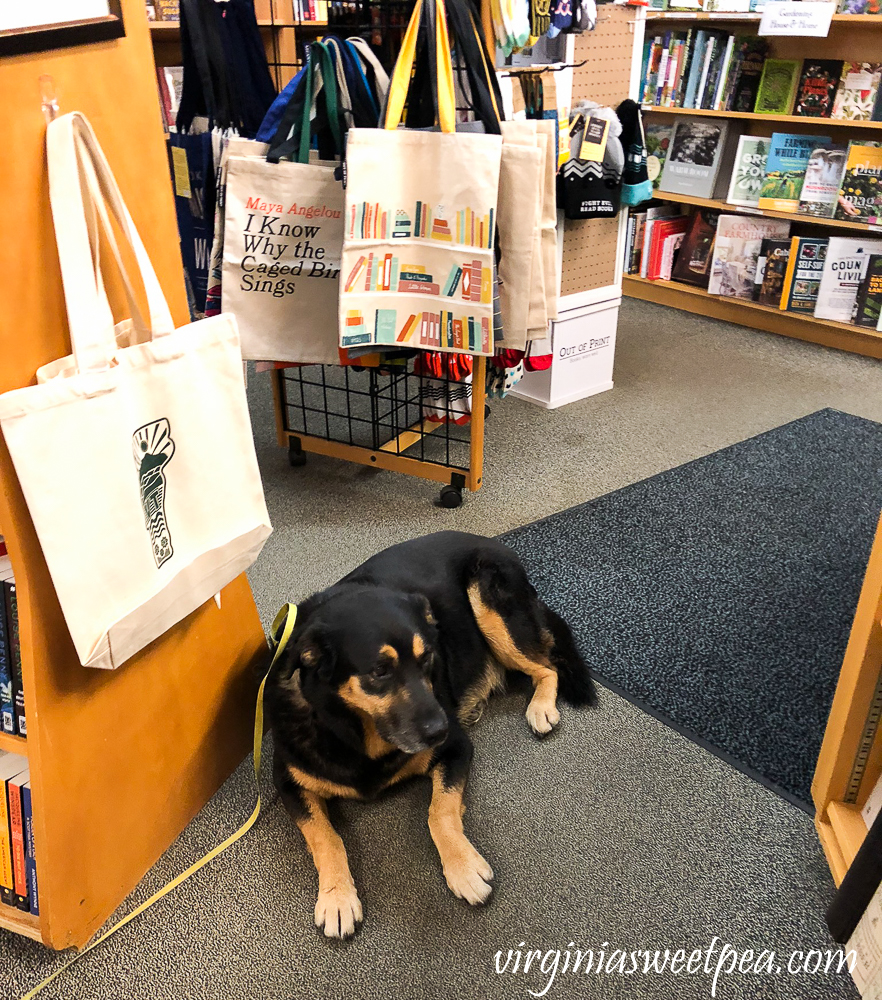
(792,17)
(181,171)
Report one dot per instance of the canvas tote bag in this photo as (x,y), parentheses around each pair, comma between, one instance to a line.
(283,236)
(420,219)
(137,462)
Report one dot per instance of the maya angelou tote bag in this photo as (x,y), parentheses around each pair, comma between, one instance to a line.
(417,268)
(283,236)
(135,454)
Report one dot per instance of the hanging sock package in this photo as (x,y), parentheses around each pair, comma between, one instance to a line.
(420,219)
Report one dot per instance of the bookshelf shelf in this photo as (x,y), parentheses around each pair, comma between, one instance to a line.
(20,922)
(858,340)
(14,744)
(753,116)
(733,17)
(723,206)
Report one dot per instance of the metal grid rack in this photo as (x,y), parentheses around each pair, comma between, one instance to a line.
(390,418)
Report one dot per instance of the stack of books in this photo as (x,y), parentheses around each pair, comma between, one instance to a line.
(12,712)
(311,10)
(18,865)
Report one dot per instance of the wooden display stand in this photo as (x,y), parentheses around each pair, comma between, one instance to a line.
(120,760)
(850,761)
(853,37)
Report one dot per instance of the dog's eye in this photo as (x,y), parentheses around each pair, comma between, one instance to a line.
(382,669)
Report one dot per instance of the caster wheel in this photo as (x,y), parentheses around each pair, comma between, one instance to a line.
(296,457)
(451,496)
(487,410)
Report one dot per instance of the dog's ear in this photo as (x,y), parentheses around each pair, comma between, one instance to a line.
(314,653)
(424,608)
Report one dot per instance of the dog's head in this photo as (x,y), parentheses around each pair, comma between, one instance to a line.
(373,649)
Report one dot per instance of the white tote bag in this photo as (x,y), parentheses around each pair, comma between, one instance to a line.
(137,462)
(420,221)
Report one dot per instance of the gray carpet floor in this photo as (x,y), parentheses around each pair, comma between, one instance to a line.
(616,833)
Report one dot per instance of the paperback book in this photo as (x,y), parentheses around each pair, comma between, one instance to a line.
(860,195)
(657,139)
(696,252)
(823,177)
(736,250)
(771,270)
(844,270)
(803,277)
(697,150)
(748,171)
(817,87)
(856,94)
(868,306)
(777,88)
(786,166)
(750,59)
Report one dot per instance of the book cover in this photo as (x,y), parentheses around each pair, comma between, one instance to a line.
(17,837)
(11,602)
(7,698)
(653,215)
(748,170)
(751,57)
(817,87)
(693,162)
(786,164)
(663,229)
(802,279)
(696,252)
(658,140)
(868,306)
(844,270)
(860,194)
(860,7)
(823,178)
(30,852)
(777,87)
(11,764)
(775,255)
(857,90)
(736,249)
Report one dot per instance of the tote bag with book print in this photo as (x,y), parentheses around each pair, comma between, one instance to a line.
(135,453)
(419,224)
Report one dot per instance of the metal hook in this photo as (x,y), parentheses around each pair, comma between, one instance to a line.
(48,97)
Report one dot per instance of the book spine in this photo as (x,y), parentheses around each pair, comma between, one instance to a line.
(16,830)
(6,876)
(702,83)
(662,70)
(7,698)
(11,604)
(683,72)
(789,273)
(724,73)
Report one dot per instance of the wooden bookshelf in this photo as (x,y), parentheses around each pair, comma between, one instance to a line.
(850,760)
(719,205)
(14,744)
(120,760)
(812,123)
(856,339)
(734,17)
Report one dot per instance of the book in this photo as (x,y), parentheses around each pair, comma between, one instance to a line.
(860,194)
(696,252)
(696,65)
(7,698)
(786,164)
(736,249)
(817,87)
(868,304)
(653,214)
(17,837)
(11,603)
(803,276)
(856,94)
(748,170)
(844,270)
(30,852)
(664,229)
(11,764)
(823,177)
(750,60)
(697,150)
(657,139)
(860,7)
(777,87)
(771,270)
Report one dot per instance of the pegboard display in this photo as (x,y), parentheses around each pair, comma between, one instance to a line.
(589,247)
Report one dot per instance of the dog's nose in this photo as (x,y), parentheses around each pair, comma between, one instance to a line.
(434,730)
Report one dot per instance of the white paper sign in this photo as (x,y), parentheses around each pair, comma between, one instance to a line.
(785,17)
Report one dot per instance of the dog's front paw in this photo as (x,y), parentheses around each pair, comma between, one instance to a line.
(468,876)
(542,716)
(338,911)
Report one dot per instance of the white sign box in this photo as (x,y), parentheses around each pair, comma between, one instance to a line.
(785,17)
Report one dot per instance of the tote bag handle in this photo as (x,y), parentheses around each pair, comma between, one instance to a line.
(70,142)
(400,83)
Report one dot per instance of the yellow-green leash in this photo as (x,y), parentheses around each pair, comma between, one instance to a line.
(284,624)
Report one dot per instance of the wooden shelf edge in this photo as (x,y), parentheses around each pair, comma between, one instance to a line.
(14,744)
(718,205)
(848,827)
(835,860)
(841,336)
(754,116)
(20,922)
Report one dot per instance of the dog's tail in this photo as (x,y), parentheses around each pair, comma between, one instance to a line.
(574,677)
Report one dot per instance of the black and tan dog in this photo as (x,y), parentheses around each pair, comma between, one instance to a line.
(383,672)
